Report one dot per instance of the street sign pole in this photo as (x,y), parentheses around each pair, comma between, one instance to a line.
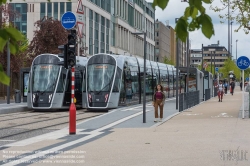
(243,63)
(68,21)
(243,96)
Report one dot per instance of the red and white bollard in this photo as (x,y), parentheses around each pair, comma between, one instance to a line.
(72,108)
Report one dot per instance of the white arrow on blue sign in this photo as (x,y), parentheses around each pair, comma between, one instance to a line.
(68,20)
(216,69)
(243,62)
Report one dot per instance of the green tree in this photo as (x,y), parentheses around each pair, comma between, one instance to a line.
(11,35)
(239,12)
(194,18)
(229,65)
(49,34)
(168,61)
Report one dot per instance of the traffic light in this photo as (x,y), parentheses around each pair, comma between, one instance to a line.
(63,55)
(71,49)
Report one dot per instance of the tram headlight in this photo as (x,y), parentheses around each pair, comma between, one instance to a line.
(90,97)
(33,97)
(50,97)
(106,98)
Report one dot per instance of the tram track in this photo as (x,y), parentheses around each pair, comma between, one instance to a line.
(46,116)
(44,127)
(20,131)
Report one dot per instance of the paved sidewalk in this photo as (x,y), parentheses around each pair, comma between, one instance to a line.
(209,134)
(204,135)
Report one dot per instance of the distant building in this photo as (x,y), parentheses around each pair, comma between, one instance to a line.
(162,41)
(213,54)
(165,44)
(195,57)
(218,54)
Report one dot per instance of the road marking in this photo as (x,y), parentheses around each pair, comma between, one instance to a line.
(188,114)
(222,115)
(93,134)
(6,140)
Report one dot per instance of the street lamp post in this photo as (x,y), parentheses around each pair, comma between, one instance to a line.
(231,50)
(212,50)
(214,64)
(177,70)
(236,49)
(229,29)
(144,74)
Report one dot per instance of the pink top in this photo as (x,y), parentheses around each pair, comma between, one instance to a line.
(158,95)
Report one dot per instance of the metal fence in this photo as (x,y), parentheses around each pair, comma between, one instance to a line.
(207,94)
(187,100)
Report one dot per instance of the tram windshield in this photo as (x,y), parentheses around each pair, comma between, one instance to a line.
(44,78)
(100,77)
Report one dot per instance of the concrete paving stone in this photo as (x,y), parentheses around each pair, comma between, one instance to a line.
(210,134)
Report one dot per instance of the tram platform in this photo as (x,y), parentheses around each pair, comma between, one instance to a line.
(211,133)
(12,107)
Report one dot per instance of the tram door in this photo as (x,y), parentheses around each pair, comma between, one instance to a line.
(122,99)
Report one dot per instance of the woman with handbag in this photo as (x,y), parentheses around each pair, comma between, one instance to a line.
(158,101)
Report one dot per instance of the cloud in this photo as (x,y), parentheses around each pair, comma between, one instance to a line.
(176,8)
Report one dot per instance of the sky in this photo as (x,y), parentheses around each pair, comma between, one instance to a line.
(176,8)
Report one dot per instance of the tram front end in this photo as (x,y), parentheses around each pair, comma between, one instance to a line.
(102,89)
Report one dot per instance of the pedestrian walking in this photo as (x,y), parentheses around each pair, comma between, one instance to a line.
(220,89)
(158,101)
(241,85)
(232,85)
(225,87)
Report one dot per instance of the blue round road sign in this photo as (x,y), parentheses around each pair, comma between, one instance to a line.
(243,62)
(68,20)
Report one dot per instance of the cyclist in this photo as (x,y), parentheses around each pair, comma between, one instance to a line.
(220,89)
(232,85)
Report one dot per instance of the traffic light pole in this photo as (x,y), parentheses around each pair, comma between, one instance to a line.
(72,108)
(71,52)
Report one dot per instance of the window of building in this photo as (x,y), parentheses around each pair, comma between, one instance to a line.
(62,11)
(42,10)
(49,9)
(68,6)
(90,14)
(55,11)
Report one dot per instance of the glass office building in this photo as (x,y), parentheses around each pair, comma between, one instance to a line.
(108,24)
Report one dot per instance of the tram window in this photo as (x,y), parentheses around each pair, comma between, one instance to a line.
(78,81)
(61,83)
(117,80)
(84,82)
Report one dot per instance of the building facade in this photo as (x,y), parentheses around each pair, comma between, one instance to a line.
(195,57)
(162,42)
(212,54)
(108,24)
(165,45)
(215,54)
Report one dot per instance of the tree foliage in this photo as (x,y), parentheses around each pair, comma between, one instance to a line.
(8,34)
(239,12)
(194,18)
(48,36)
(168,61)
(229,65)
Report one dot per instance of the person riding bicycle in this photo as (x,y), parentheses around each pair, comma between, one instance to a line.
(232,85)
